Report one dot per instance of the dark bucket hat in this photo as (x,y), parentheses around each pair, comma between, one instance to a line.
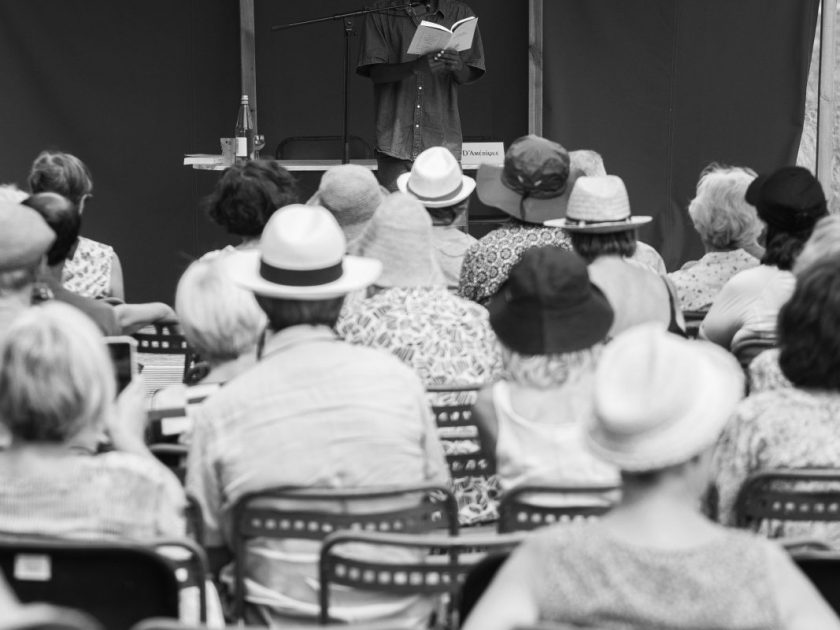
(549,306)
(789,199)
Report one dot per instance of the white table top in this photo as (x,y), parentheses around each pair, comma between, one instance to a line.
(215,163)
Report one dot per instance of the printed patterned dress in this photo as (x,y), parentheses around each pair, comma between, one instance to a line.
(447,340)
(699,282)
(88,272)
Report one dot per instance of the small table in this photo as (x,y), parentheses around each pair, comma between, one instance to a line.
(215,163)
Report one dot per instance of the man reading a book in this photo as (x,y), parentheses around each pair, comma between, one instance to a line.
(415,97)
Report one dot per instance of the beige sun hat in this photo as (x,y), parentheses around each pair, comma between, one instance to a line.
(661,399)
(400,236)
(599,205)
(301,257)
(436,179)
(352,194)
(24,236)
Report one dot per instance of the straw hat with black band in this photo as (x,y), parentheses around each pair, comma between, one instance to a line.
(301,257)
(599,205)
(549,306)
(536,180)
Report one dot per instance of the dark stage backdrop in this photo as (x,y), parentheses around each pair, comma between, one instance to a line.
(129,87)
(662,88)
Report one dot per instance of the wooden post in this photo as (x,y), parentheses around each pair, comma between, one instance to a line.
(825,109)
(247,54)
(535,67)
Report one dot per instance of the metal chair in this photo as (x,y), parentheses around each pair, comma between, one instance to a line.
(266,514)
(434,573)
(117,583)
(693,320)
(162,351)
(452,419)
(745,350)
(517,513)
(788,495)
(822,569)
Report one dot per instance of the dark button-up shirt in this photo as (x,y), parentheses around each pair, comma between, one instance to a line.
(420,111)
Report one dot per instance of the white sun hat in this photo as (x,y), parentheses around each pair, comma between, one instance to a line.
(301,257)
(660,399)
(436,179)
(599,205)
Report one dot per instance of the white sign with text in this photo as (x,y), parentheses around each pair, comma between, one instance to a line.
(474,153)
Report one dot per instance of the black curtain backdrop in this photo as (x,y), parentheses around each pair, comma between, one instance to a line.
(129,87)
(661,88)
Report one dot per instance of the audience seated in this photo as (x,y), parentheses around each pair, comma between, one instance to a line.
(25,239)
(351,193)
(551,322)
(56,399)
(533,186)
(792,427)
(92,269)
(409,312)
(313,412)
(603,233)
(246,196)
(64,219)
(437,182)
(221,323)
(790,201)
(764,371)
(654,561)
(729,228)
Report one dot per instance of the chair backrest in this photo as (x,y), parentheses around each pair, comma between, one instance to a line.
(452,408)
(321,148)
(266,514)
(163,353)
(440,568)
(46,617)
(822,568)
(788,495)
(518,511)
(117,583)
(747,349)
(693,319)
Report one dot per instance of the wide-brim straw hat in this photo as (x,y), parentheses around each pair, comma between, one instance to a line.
(352,194)
(301,257)
(436,179)
(660,400)
(548,305)
(400,237)
(536,180)
(599,205)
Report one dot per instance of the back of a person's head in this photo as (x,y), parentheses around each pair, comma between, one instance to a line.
(720,212)
(248,194)
(55,375)
(824,243)
(10,193)
(63,217)
(62,173)
(220,320)
(809,333)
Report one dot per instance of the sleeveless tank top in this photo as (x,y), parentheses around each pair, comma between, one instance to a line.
(88,272)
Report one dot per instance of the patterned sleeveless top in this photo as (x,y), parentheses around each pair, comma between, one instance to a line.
(88,272)
(584,577)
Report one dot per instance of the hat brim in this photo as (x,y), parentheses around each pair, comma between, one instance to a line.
(465,190)
(358,273)
(689,435)
(492,192)
(533,331)
(605,227)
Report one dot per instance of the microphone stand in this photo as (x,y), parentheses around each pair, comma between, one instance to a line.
(347,19)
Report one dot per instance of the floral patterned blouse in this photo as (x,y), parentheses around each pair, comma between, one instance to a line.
(765,373)
(88,272)
(698,282)
(784,428)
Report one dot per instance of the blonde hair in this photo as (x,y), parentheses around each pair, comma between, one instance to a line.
(719,211)
(824,243)
(56,376)
(221,321)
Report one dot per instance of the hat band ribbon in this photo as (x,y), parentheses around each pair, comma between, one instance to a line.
(452,193)
(301,277)
(581,222)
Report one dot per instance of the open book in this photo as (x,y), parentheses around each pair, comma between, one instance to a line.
(431,37)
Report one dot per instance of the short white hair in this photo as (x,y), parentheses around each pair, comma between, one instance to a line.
(719,211)
(824,243)
(56,377)
(221,321)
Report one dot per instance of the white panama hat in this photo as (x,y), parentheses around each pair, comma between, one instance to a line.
(436,179)
(660,399)
(599,205)
(301,257)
